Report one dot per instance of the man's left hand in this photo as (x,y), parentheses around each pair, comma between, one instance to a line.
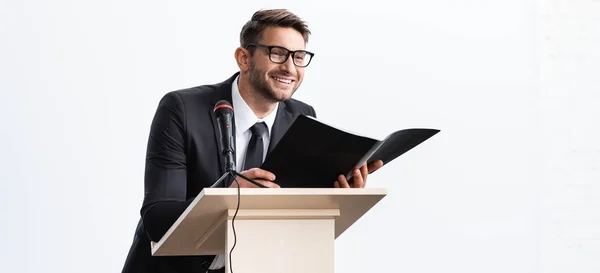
(359,176)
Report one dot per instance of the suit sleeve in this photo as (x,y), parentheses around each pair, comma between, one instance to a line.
(165,177)
(313,112)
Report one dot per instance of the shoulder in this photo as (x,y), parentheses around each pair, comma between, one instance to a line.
(201,92)
(298,107)
(198,96)
(182,100)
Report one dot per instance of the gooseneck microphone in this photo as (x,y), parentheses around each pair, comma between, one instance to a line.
(224,114)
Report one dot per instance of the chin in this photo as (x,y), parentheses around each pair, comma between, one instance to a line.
(282,95)
(279,96)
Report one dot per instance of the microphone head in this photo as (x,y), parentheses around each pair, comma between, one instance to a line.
(223,107)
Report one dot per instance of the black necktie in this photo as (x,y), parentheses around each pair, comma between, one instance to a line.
(254,154)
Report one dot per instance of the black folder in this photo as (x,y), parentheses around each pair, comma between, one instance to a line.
(311,154)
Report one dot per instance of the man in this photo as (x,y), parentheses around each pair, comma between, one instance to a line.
(182,153)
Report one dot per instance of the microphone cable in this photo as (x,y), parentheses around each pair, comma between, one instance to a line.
(233,220)
(219,182)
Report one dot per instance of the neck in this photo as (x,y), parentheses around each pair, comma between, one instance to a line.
(260,105)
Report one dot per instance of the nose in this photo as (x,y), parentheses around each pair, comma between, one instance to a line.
(289,66)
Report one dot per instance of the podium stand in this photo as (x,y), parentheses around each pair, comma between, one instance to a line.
(276,230)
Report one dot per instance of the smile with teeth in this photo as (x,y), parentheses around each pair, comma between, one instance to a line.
(287,81)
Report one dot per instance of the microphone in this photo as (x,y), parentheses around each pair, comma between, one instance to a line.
(224,113)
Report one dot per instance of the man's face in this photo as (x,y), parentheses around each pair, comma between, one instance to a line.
(276,82)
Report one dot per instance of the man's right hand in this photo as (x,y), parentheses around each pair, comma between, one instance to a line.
(261,176)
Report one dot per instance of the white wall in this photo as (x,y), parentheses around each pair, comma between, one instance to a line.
(507,186)
(569,133)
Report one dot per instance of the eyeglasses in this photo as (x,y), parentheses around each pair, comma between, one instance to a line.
(279,55)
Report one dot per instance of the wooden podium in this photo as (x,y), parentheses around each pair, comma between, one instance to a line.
(276,230)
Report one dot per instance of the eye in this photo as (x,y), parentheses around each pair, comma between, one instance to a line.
(279,52)
(300,55)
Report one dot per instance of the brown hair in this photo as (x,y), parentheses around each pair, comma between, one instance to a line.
(253,29)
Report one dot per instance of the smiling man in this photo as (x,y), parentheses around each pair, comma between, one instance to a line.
(182,153)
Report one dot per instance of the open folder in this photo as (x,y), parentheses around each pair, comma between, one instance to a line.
(311,154)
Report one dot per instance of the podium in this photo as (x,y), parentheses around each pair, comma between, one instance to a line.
(276,230)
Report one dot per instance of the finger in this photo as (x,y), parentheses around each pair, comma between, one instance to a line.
(357,180)
(270,184)
(336,184)
(263,182)
(343,182)
(243,183)
(248,184)
(364,172)
(262,174)
(373,166)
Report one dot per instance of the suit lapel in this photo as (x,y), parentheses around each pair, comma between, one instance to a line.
(282,123)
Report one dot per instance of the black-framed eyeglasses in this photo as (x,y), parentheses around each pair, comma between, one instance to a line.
(279,55)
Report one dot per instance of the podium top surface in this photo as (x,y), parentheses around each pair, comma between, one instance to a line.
(204,217)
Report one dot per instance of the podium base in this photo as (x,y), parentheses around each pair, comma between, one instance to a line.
(284,240)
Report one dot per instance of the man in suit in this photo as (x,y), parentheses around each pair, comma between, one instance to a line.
(183,155)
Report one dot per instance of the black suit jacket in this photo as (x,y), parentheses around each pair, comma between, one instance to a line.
(182,159)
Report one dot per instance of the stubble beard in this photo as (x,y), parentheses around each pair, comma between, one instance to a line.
(261,85)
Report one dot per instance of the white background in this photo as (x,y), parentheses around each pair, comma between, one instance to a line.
(509,185)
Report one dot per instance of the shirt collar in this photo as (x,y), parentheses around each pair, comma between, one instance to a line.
(244,116)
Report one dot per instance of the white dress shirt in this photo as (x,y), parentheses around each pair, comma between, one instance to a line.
(244,120)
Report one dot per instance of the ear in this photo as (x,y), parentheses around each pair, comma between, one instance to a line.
(242,57)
